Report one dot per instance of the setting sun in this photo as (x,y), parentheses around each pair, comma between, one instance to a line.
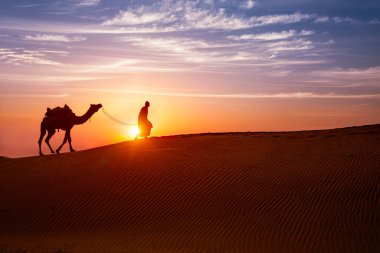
(133,131)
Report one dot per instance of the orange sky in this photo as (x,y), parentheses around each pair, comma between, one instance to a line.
(20,116)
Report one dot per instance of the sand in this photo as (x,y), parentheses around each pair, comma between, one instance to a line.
(310,191)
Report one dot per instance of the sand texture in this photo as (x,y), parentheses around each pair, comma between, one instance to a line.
(310,191)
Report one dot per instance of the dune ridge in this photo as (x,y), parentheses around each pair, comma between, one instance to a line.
(306,191)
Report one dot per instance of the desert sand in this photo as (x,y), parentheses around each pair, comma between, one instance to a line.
(307,191)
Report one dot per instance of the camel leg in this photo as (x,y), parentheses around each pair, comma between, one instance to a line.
(63,143)
(42,134)
(69,139)
(51,132)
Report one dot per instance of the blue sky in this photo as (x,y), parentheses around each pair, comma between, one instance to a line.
(290,59)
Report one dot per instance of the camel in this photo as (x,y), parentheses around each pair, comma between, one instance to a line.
(66,122)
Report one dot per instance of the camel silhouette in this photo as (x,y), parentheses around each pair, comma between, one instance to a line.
(64,121)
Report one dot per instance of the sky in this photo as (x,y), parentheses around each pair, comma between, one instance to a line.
(205,66)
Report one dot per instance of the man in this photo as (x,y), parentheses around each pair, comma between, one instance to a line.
(144,124)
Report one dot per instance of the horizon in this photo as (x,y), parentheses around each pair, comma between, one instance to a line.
(205,66)
(201,134)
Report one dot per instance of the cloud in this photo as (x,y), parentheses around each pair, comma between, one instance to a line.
(154,20)
(19,56)
(30,95)
(206,19)
(249,4)
(272,36)
(88,3)
(210,49)
(185,49)
(374,21)
(323,19)
(56,52)
(280,19)
(326,19)
(293,95)
(195,15)
(54,38)
(344,20)
(351,73)
(140,17)
(28,5)
(217,55)
(173,44)
(293,45)
(329,42)
(51,77)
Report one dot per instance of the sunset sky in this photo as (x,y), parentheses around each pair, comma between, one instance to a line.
(205,66)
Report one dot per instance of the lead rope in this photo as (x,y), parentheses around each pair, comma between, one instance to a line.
(116,120)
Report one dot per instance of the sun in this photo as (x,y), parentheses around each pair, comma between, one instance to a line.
(133,131)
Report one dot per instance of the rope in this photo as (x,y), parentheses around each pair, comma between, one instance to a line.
(116,120)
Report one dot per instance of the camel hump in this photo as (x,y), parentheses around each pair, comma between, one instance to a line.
(58,111)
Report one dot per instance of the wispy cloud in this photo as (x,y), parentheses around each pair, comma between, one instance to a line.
(134,21)
(28,5)
(344,19)
(249,4)
(87,3)
(280,19)
(190,15)
(32,95)
(139,17)
(271,36)
(54,38)
(18,56)
(50,78)
(339,20)
(351,73)
(292,45)
(294,95)
(180,45)
(188,49)
(323,19)
(187,53)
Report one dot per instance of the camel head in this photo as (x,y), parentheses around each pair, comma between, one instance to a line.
(94,108)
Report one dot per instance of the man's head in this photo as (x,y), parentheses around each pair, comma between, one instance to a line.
(147,104)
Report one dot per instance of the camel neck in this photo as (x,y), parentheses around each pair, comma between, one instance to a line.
(82,119)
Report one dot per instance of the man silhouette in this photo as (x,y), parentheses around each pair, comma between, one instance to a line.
(144,124)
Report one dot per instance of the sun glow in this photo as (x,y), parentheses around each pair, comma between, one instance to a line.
(133,131)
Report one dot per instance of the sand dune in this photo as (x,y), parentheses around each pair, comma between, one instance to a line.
(310,191)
